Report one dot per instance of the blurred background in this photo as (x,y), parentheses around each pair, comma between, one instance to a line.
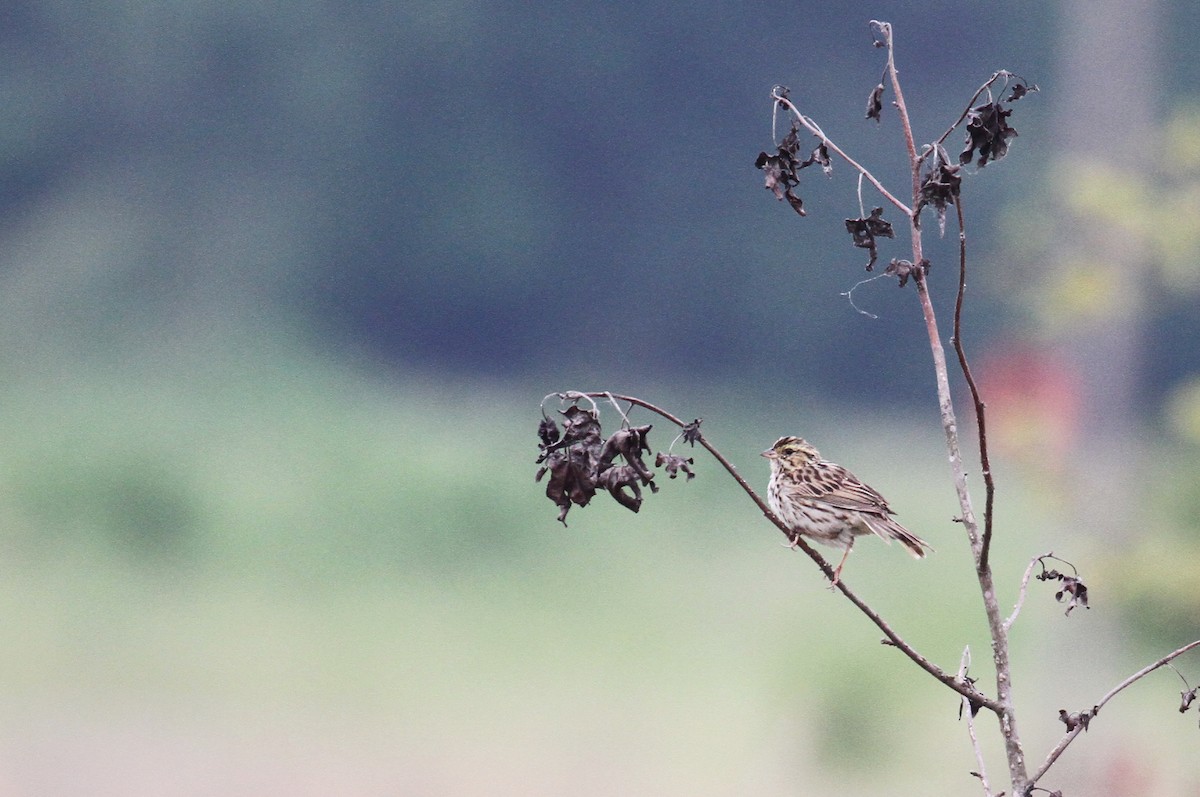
(281,287)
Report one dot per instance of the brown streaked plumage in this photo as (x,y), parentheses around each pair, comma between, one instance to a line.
(825,502)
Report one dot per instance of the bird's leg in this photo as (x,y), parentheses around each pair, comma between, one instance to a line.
(837,571)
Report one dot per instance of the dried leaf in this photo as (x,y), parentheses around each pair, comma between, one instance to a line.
(674,464)
(988,132)
(940,187)
(875,104)
(1077,591)
(1073,721)
(1020,89)
(572,479)
(571,460)
(629,444)
(905,269)
(864,231)
(620,478)
(820,154)
(691,432)
(548,432)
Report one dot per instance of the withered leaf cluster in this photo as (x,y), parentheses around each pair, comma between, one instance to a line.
(906,268)
(988,131)
(782,169)
(581,462)
(865,231)
(1073,591)
(940,187)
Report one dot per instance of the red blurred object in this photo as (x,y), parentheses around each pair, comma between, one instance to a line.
(1033,400)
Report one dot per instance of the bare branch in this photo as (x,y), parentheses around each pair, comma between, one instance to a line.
(1065,742)
(1012,618)
(980,416)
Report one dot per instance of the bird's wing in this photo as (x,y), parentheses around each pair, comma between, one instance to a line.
(832,484)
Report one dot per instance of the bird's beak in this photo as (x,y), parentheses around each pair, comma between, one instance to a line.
(769,453)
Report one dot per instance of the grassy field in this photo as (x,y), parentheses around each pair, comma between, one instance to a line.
(271,574)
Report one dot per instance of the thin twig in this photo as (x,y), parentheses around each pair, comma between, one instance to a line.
(1012,618)
(963,666)
(1071,734)
(966,690)
(612,400)
(815,129)
(980,416)
(569,395)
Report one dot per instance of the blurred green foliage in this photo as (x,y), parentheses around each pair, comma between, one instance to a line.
(293,542)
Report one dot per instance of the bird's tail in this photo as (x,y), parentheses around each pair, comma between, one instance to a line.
(891,530)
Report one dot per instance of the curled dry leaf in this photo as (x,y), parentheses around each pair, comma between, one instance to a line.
(875,104)
(988,132)
(571,460)
(629,444)
(820,155)
(1020,89)
(572,479)
(674,464)
(780,169)
(903,269)
(1077,591)
(619,479)
(940,187)
(864,231)
(548,432)
(1185,699)
(1073,721)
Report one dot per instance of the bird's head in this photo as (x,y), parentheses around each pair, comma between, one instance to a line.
(791,452)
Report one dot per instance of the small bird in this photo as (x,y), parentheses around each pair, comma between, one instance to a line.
(828,503)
